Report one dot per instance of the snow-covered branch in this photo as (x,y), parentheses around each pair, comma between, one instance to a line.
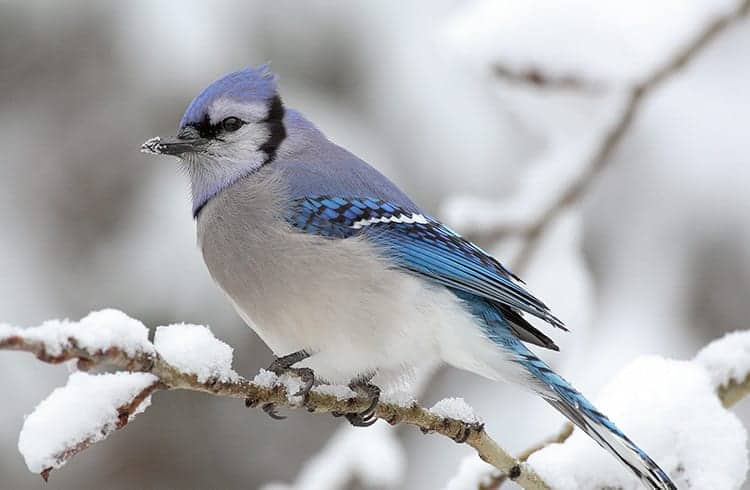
(533,217)
(189,357)
(90,409)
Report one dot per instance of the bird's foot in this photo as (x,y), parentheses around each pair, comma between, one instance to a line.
(283,365)
(366,417)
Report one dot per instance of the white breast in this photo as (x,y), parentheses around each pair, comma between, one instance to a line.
(337,299)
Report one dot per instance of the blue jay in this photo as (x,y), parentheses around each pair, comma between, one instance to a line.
(342,275)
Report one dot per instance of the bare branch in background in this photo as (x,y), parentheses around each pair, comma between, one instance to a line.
(539,79)
(497,480)
(600,158)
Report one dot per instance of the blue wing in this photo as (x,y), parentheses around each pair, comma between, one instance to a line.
(424,246)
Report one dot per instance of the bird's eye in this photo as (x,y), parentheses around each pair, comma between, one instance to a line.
(231,124)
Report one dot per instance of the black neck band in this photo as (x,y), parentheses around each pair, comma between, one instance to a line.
(277,132)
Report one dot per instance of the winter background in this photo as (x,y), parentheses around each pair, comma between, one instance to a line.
(446,98)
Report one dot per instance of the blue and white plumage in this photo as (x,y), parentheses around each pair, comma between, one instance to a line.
(320,252)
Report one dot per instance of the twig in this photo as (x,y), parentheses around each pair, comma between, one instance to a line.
(534,77)
(170,378)
(600,158)
(734,391)
(559,438)
(497,480)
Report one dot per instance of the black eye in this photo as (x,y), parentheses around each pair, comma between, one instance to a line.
(231,124)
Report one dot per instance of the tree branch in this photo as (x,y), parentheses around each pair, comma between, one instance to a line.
(255,394)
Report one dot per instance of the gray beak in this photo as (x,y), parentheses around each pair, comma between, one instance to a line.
(174,146)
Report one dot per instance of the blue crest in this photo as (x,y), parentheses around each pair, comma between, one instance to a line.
(246,85)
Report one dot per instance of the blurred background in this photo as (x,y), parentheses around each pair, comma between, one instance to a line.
(483,111)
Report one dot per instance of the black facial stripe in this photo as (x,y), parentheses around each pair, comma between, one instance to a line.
(274,123)
(206,129)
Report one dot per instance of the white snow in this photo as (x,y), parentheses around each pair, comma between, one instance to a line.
(401,398)
(670,409)
(292,384)
(473,473)
(341,392)
(98,331)
(265,378)
(83,411)
(611,41)
(374,458)
(194,349)
(455,408)
(727,359)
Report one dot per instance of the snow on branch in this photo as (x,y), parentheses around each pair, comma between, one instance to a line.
(86,410)
(727,361)
(189,357)
(681,41)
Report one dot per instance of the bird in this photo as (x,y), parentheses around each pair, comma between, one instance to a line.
(342,275)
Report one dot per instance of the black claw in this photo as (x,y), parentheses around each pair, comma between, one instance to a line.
(373,392)
(366,417)
(270,409)
(308,379)
(358,420)
(283,365)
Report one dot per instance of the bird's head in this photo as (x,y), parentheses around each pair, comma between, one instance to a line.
(233,127)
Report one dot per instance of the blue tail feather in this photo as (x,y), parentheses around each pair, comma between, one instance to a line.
(566,399)
(571,403)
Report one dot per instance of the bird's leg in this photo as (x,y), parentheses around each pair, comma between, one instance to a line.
(365,418)
(283,365)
